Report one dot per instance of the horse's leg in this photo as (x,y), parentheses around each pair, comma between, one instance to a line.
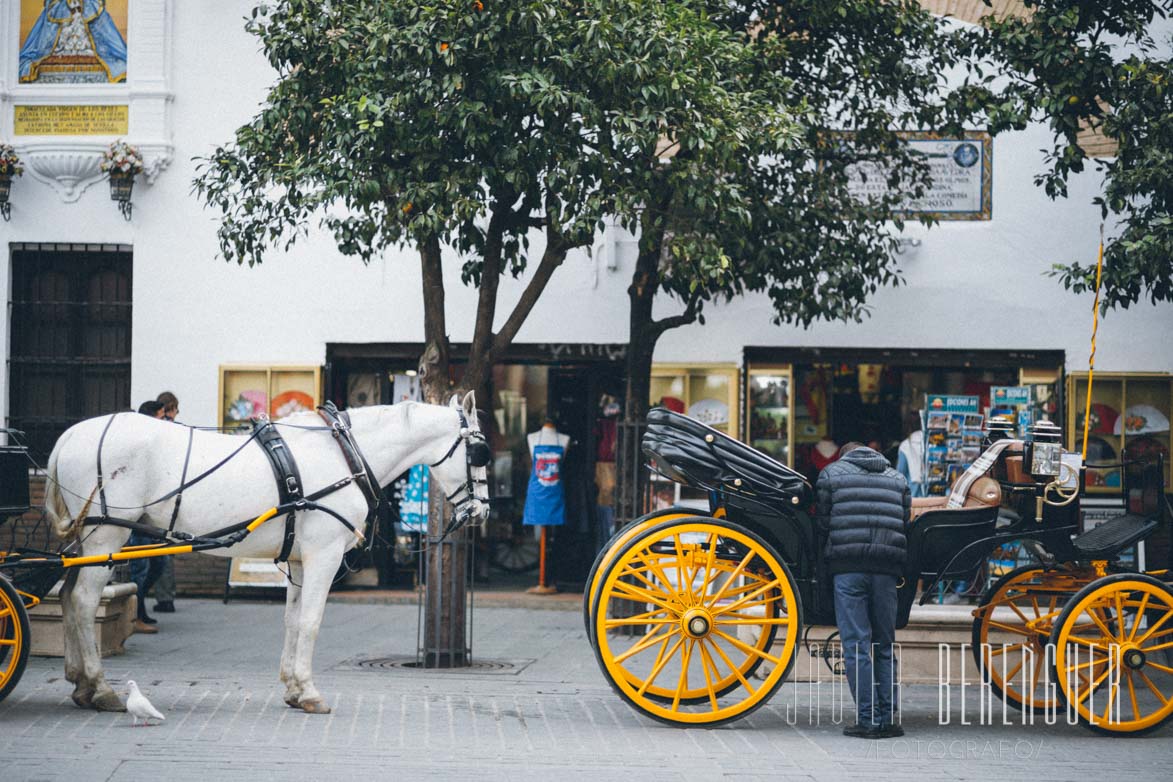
(318,569)
(91,689)
(73,662)
(292,613)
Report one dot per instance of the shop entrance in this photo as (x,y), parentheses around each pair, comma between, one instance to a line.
(803,404)
(575,388)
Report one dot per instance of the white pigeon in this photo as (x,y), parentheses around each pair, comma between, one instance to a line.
(139,707)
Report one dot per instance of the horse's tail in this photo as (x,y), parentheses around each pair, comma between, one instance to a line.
(63,524)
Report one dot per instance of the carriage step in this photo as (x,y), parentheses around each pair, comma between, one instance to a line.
(1113,536)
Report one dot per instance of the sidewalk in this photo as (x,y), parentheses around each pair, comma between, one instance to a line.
(536,709)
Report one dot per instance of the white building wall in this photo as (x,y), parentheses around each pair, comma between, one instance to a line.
(970,285)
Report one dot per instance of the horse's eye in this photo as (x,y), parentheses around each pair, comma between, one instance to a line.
(478,453)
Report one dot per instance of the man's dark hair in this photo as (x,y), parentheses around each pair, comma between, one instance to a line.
(849,447)
(151,408)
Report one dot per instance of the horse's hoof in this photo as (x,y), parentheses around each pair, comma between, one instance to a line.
(83,697)
(315,706)
(292,701)
(108,701)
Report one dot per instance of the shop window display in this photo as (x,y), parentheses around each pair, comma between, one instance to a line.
(1129,413)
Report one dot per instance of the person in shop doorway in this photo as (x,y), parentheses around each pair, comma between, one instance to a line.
(910,460)
(165,585)
(145,572)
(863,506)
(545,502)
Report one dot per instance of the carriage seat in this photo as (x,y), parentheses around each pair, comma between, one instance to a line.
(985,492)
(690,452)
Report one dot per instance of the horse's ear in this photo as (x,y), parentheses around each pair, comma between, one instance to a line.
(454,402)
(470,404)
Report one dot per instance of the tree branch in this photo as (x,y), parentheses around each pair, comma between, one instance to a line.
(683,319)
(552,258)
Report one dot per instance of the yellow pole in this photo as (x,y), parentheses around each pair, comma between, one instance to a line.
(1091,361)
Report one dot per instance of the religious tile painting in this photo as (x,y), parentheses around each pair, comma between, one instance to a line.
(73,41)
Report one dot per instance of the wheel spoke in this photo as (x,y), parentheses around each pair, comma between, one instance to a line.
(747,648)
(680,582)
(665,589)
(732,578)
(1095,683)
(1156,626)
(1139,616)
(1018,611)
(5,612)
(659,666)
(712,555)
(1149,683)
(749,620)
(629,621)
(7,642)
(740,602)
(624,591)
(1132,695)
(649,640)
(993,651)
(706,662)
(1159,667)
(1012,629)
(1091,611)
(1010,674)
(1113,688)
(682,685)
(1158,647)
(736,671)
(1119,616)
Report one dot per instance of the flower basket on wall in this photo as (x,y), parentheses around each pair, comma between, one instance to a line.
(123,163)
(10,167)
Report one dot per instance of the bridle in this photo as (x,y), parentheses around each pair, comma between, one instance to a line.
(476,454)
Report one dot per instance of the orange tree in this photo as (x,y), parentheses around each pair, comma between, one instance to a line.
(860,71)
(1091,64)
(478,126)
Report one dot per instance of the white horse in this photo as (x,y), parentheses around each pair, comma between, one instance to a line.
(142,460)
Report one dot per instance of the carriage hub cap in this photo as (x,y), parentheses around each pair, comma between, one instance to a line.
(696,622)
(1134,658)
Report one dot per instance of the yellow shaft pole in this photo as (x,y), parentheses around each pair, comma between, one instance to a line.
(1091,361)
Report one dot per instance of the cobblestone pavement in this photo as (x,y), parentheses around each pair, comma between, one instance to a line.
(542,712)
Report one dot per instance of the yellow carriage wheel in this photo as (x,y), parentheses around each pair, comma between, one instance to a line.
(1011,630)
(14,637)
(696,587)
(1114,654)
(618,541)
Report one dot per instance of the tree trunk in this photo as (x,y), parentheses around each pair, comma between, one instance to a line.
(446,561)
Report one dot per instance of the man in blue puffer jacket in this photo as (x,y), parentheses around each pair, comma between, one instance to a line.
(863,505)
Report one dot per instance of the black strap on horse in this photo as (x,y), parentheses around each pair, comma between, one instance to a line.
(288,478)
(182,480)
(360,470)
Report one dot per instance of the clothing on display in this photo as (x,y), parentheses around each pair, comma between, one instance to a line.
(413,509)
(545,503)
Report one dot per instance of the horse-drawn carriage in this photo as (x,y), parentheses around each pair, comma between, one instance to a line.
(683,609)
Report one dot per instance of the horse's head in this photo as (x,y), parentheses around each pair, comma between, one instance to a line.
(463,473)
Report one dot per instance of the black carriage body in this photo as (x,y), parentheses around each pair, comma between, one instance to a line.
(776,502)
(14,481)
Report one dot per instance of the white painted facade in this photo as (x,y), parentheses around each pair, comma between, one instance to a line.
(969,284)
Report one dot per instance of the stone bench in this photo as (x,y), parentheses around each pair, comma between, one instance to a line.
(113,624)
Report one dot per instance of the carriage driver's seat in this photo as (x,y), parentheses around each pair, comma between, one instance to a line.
(984,493)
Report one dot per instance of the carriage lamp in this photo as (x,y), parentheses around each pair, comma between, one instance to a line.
(1043,450)
(121,186)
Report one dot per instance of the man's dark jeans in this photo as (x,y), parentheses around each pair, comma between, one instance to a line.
(865,609)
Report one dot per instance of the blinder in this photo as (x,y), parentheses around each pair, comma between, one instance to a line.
(477,452)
